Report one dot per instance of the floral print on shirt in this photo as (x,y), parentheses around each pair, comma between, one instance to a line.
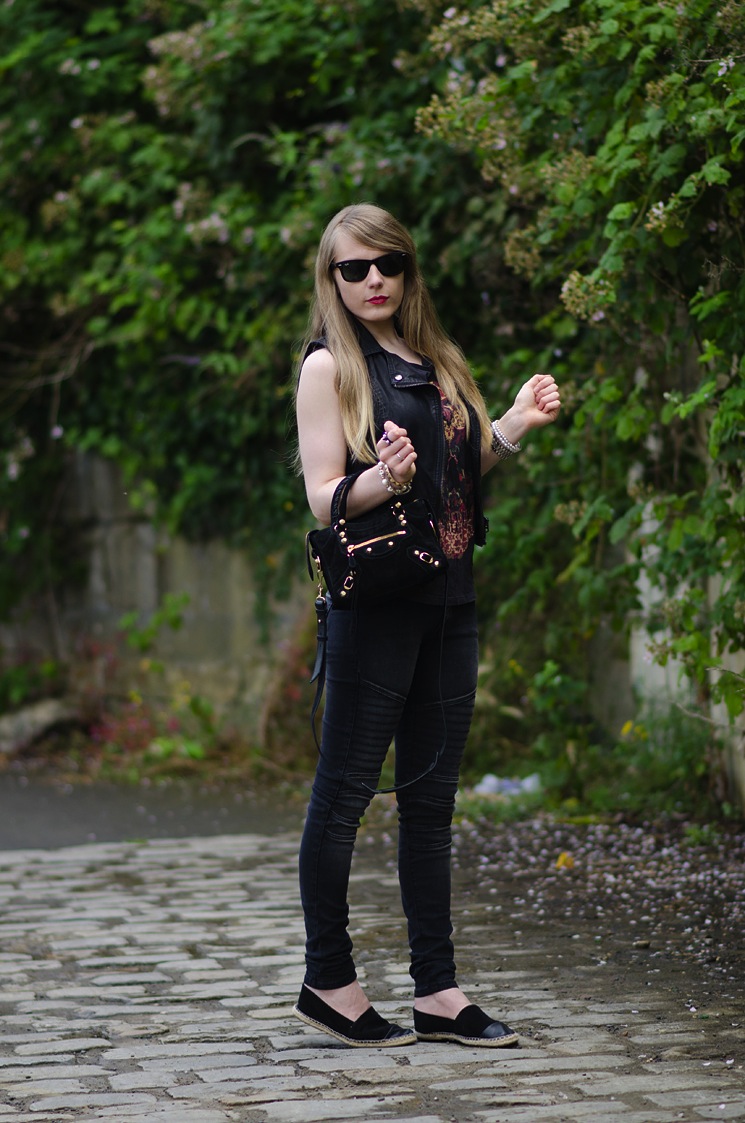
(456,516)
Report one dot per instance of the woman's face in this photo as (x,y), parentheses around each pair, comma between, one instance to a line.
(377,298)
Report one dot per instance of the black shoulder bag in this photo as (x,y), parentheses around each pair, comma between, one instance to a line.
(380,554)
(383,553)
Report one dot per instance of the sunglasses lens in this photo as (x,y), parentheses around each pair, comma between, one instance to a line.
(354,271)
(390,265)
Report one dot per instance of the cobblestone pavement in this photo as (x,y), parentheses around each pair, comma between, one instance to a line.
(154,981)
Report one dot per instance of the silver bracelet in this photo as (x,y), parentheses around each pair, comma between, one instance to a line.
(392,485)
(500,446)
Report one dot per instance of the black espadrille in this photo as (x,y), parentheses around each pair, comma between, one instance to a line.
(370,1030)
(471,1027)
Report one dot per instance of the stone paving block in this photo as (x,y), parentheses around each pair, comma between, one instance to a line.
(721,1111)
(228,1060)
(417,1119)
(351,1059)
(43,1087)
(11,1116)
(64,1045)
(161,1114)
(243,1072)
(627,1084)
(599,1111)
(92,1100)
(350,1111)
(468,1083)
(628,1117)
(697,1098)
(41,1059)
(269,1089)
(135,1081)
(563,1079)
(563,1064)
(510,1100)
(128,978)
(51,1072)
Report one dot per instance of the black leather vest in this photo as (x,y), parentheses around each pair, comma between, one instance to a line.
(407,396)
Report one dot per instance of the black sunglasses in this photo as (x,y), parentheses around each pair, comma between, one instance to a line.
(390,265)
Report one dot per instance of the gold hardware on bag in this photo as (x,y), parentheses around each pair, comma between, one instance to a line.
(348,585)
(371,541)
(319,575)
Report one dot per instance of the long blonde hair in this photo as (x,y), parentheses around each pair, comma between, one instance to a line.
(420,327)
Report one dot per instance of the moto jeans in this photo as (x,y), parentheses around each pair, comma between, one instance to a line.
(405,672)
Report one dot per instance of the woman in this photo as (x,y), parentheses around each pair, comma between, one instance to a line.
(381,385)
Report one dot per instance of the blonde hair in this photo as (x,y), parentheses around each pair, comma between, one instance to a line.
(420,327)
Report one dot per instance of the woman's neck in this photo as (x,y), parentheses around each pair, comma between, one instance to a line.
(386,335)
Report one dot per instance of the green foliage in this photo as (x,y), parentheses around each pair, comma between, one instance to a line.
(665,763)
(610,139)
(26,681)
(169,614)
(165,171)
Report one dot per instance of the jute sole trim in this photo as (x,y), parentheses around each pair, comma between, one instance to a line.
(387,1043)
(480,1042)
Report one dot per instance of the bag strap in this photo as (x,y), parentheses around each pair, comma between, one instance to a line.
(319,668)
(338,511)
(340,496)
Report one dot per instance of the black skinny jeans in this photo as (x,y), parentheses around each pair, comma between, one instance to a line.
(387,677)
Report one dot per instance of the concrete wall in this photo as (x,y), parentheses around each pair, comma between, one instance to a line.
(219,650)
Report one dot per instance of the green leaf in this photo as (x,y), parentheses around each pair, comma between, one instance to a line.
(713,172)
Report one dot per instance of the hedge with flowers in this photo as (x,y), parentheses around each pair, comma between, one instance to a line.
(573,173)
(611,141)
(165,170)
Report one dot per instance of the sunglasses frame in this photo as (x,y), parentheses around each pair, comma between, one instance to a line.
(340,265)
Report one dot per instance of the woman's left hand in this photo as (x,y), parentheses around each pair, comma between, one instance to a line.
(538,402)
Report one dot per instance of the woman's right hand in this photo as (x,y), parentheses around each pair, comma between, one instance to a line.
(323,449)
(397,453)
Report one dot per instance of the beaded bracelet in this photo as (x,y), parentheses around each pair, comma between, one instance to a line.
(392,485)
(500,446)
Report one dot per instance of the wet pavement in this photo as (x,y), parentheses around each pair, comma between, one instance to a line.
(49,811)
(153,980)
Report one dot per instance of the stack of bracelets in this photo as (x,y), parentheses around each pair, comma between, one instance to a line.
(390,483)
(500,446)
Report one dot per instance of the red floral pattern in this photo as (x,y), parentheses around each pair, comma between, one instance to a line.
(456,516)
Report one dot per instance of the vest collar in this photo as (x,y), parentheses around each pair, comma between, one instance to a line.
(370,346)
